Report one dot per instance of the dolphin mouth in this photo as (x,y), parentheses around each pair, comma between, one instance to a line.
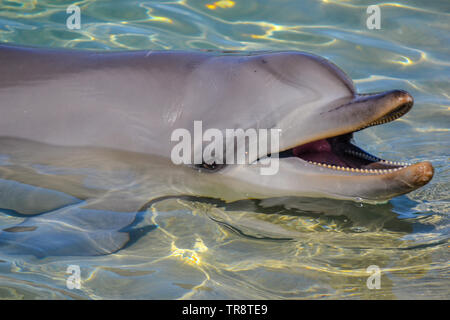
(339,153)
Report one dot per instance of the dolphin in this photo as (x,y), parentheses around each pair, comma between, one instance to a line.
(132,101)
(87,134)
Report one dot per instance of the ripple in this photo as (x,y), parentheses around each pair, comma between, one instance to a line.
(273,248)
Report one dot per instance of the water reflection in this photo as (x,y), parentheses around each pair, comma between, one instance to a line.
(190,247)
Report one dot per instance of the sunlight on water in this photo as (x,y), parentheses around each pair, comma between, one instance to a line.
(253,249)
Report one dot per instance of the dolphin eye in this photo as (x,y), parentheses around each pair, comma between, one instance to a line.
(210,167)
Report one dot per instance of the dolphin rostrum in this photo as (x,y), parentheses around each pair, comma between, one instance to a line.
(132,102)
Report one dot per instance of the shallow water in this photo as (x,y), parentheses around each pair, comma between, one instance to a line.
(274,248)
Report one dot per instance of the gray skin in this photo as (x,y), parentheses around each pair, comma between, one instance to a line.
(125,105)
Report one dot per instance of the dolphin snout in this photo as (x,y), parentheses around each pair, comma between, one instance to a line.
(419,174)
(409,178)
(384,107)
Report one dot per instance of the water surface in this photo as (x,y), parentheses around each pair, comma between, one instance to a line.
(188,248)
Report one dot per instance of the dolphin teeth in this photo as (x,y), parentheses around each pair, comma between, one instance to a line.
(401,165)
(362,155)
(376,159)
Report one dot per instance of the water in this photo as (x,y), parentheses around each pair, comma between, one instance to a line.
(274,248)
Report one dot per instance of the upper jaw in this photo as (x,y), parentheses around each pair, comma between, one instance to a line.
(341,116)
(392,105)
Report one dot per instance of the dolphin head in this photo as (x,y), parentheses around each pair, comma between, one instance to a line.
(317,109)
